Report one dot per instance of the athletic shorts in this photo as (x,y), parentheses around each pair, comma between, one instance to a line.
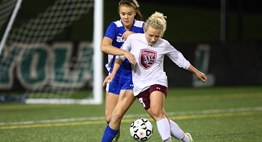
(120,83)
(144,97)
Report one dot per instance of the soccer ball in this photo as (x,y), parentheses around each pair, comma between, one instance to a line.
(141,129)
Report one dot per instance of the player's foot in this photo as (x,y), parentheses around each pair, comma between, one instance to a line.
(116,137)
(190,137)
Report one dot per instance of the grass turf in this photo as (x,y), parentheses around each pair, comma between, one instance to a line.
(209,114)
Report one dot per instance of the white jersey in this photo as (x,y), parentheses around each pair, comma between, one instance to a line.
(150,59)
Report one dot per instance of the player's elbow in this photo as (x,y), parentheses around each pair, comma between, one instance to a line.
(103,48)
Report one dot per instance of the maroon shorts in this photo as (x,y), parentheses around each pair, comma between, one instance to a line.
(144,97)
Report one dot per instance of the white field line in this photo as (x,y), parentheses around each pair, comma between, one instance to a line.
(232,110)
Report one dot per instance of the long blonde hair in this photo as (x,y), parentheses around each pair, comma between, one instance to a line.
(158,21)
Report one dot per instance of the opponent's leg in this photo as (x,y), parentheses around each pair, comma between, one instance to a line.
(110,103)
(125,100)
(113,90)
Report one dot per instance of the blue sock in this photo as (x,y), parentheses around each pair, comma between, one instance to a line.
(109,134)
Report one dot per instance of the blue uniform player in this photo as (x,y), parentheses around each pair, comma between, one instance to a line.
(123,78)
(116,33)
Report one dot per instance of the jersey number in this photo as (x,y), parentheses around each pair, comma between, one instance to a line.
(142,102)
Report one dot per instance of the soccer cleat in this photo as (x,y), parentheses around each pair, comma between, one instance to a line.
(116,137)
(190,137)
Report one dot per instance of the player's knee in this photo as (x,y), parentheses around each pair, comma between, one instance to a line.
(117,115)
(156,112)
(108,117)
(108,121)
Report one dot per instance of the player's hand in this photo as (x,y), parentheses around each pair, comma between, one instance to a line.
(108,79)
(130,57)
(126,34)
(201,76)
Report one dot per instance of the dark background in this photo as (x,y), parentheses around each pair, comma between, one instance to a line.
(247,5)
(200,21)
(187,20)
(236,61)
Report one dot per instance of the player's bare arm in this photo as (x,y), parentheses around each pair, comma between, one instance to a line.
(106,47)
(111,76)
(198,73)
(126,34)
(130,57)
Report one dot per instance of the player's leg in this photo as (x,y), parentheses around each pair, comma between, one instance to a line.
(174,128)
(156,104)
(110,103)
(153,100)
(112,95)
(178,133)
(157,100)
(126,99)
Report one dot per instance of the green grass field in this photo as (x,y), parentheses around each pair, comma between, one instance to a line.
(226,114)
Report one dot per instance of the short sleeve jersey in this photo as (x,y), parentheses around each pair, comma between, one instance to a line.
(150,59)
(114,31)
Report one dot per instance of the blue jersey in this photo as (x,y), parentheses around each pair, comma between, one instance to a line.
(114,31)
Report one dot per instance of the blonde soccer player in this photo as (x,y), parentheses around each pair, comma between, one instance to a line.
(149,78)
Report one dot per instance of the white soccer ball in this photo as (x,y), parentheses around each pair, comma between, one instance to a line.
(141,129)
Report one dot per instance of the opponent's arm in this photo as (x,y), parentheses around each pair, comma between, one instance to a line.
(126,34)
(107,47)
(111,76)
(117,64)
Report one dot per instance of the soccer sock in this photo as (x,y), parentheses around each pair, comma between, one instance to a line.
(176,131)
(163,128)
(109,134)
(185,138)
(168,140)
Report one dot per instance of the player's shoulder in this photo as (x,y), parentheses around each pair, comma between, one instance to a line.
(117,23)
(139,24)
(163,42)
(136,36)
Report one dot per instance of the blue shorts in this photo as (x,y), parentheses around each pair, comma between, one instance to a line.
(120,83)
